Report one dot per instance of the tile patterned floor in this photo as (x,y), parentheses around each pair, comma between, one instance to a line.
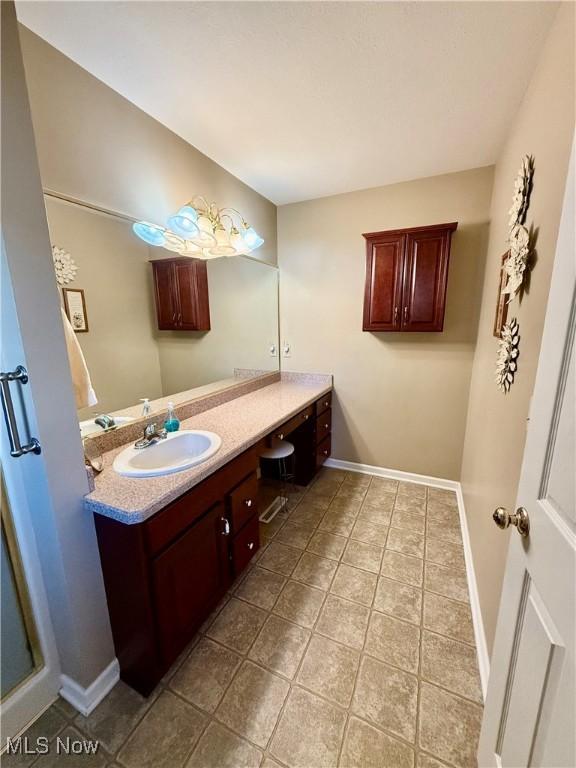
(349,642)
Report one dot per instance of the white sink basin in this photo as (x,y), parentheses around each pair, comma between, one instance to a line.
(179,451)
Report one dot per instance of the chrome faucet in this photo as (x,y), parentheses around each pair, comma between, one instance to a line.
(151,435)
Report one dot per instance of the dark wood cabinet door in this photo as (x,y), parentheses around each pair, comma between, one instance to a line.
(425,278)
(406,278)
(165,294)
(189,577)
(202,300)
(187,295)
(383,293)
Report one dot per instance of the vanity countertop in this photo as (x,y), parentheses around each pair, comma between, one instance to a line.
(240,423)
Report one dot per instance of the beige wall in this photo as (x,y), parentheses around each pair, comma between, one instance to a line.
(244,323)
(94,145)
(401,398)
(496,425)
(113,270)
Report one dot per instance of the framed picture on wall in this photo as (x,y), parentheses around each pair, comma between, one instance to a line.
(75,306)
(501,301)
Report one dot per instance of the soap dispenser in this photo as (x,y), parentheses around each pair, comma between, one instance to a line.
(146,407)
(172,424)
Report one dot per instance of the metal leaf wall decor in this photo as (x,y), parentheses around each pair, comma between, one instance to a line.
(506,361)
(64,265)
(519,238)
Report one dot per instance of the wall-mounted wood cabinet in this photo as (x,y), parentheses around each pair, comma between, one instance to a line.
(181,294)
(406,278)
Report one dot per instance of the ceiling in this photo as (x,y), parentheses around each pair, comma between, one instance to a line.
(305,99)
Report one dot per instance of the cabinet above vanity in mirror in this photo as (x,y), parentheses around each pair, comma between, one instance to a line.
(181,294)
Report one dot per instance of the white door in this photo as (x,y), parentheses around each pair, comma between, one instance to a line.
(530,713)
(30,664)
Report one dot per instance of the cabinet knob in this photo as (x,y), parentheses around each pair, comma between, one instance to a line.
(306,416)
(248,502)
(405,314)
(226,531)
(281,435)
(325,452)
(395,314)
(326,426)
(251,545)
(326,403)
(174,317)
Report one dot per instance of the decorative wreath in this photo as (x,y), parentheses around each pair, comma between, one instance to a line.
(64,265)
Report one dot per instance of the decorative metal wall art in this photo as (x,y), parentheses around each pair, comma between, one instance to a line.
(519,237)
(506,361)
(64,265)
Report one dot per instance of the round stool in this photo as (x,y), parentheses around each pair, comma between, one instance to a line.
(280,451)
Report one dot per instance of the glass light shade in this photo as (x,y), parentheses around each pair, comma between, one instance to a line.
(252,238)
(174,242)
(205,237)
(183,223)
(237,242)
(194,251)
(222,247)
(207,254)
(150,233)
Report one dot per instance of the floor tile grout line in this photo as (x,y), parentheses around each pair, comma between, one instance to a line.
(347,721)
(351,713)
(301,662)
(290,683)
(296,673)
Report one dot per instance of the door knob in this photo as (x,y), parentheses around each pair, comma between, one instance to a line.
(520,519)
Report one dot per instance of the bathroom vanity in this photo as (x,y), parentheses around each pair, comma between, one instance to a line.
(171,546)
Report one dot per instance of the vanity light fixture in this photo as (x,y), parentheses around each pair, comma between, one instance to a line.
(201,230)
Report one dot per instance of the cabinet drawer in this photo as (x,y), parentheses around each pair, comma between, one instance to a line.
(171,521)
(323,450)
(246,544)
(323,425)
(243,502)
(323,403)
(293,423)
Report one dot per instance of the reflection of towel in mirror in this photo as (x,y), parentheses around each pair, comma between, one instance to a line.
(83,391)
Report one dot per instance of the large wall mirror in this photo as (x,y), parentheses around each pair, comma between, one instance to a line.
(113,305)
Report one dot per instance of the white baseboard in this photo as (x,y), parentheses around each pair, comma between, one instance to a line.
(452,485)
(87,699)
(479,634)
(394,474)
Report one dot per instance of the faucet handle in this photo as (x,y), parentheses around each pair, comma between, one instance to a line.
(149,430)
